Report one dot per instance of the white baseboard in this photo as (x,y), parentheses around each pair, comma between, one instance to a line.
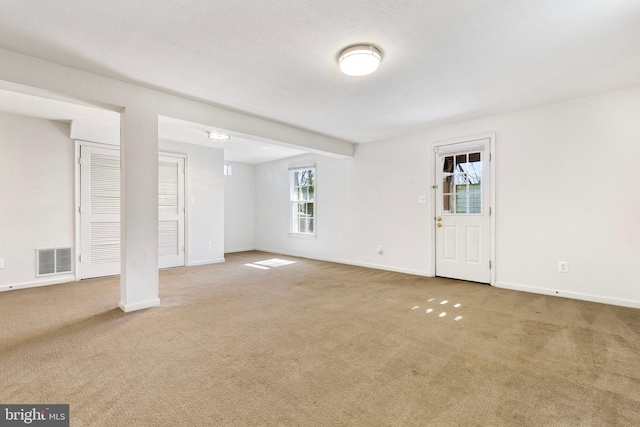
(231,251)
(567,294)
(127,308)
(355,263)
(205,262)
(37,283)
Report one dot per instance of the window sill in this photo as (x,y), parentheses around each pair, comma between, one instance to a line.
(302,236)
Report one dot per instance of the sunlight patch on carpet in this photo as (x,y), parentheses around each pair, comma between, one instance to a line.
(442,314)
(275,262)
(258,266)
(268,264)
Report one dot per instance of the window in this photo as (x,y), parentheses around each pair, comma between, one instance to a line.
(227,169)
(462,183)
(302,201)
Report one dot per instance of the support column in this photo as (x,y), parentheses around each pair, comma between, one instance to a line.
(139,208)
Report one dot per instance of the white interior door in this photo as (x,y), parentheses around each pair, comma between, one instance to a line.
(463,226)
(171,212)
(99,212)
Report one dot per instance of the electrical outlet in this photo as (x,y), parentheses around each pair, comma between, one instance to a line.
(1,264)
(208,245)
(563,266)
(422,199)
(380,251)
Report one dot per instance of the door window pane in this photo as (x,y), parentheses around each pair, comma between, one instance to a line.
(447,184)
(475,199)
(448,164)
(462,184)
(474,168)
(461,201)
(447,203)
(461,179)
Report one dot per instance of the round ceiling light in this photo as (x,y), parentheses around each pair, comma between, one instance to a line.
(216,136)
(359,60)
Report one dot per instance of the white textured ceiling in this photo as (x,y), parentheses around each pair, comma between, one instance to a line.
(238,149)
(94,121)
(443,61)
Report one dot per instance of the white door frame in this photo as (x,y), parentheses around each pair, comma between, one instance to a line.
(435,148)
(78,225)
(185,202)
(77,199)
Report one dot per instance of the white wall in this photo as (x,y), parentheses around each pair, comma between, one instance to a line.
(565,190)
(360,203)
(205,188)
(140,108)
(240,208)
(36,195)
(574,146)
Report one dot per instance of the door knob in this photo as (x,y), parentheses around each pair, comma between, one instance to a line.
(439,224)
(439,218)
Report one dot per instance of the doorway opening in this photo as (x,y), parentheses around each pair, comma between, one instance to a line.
(99,210)
(463,217)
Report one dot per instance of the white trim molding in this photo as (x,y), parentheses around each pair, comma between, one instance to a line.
(127,308)
(354,263)
(24,285)
(568,294)
(205,262)
(231,251)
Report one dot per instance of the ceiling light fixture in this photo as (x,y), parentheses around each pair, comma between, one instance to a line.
(216,136)
(359,60)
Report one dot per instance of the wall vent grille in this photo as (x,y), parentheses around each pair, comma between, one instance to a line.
(53,261)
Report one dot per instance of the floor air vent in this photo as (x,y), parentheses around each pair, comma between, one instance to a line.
(53,261)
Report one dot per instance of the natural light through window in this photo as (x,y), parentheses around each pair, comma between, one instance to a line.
(302,201)
(462,184)
(268,264)
(431,302)
(275,262)
(257,266)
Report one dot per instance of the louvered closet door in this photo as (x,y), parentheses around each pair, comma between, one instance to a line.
(100,212)
(170,212)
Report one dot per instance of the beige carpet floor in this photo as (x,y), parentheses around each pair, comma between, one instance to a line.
(319,344)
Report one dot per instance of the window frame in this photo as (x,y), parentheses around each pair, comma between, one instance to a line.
(295,201)
(455,175)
